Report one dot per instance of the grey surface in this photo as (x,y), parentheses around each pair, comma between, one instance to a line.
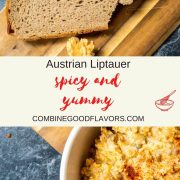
(26,156)
(171,46)
(2,2)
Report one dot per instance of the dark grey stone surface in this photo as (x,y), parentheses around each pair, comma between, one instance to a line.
(26,156)
(171,46)
(2,2)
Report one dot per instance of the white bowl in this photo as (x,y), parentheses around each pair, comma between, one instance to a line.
(76,151)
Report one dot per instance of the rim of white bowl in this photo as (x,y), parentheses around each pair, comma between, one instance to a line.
(66,152)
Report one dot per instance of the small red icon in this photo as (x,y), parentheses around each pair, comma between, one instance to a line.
(165,104)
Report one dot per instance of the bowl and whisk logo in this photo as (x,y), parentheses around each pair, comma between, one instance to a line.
(165,103)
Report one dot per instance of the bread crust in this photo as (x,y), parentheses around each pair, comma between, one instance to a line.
(53,36)
(7,17)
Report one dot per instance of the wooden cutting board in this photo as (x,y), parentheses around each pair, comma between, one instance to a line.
(138,29)
(55,136)
(135,30)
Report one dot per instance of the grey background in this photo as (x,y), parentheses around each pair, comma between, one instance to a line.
(26,156)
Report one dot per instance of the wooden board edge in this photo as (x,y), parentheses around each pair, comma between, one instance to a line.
(127,28)
(3,9)
(171,15)
(163,39)
(55,136)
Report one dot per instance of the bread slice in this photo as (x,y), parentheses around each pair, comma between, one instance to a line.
(36,19)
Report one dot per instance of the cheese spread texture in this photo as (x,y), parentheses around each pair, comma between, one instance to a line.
(135,153)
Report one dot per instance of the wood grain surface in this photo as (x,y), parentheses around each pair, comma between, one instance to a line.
(135,30)
(55,136)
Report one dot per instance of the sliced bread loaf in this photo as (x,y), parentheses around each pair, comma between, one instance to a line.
(35,19)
